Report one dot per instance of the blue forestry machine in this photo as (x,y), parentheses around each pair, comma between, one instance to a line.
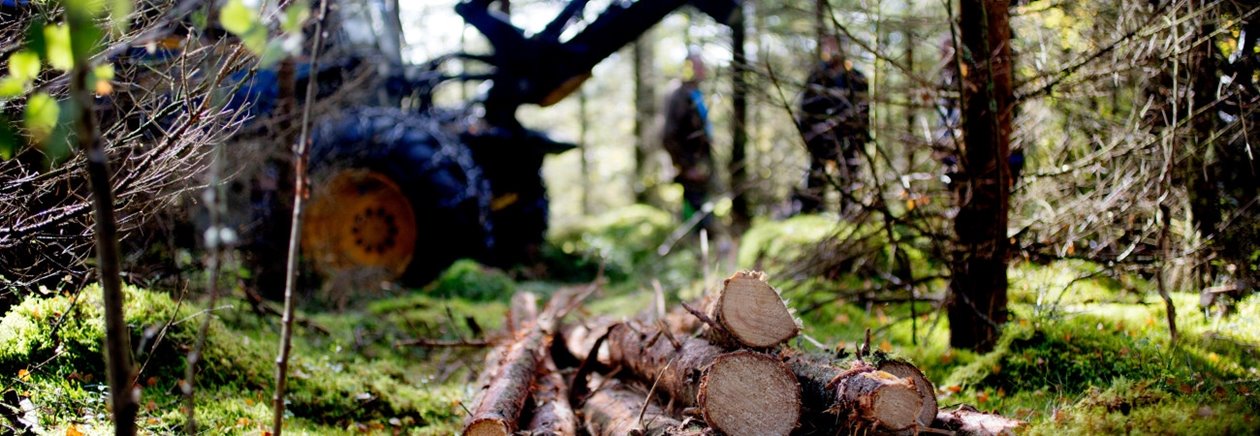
(402,193)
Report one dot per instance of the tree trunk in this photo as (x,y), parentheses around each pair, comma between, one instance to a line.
(583,149)
(739,125)
(644,112)
(738,393)
(860,398)
(978,286)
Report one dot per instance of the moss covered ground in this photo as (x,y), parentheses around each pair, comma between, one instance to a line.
(1087,351)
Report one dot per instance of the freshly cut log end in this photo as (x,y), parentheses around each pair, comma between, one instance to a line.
(927,391)
(750,393)
(752,312)
(882,399)
(488,427)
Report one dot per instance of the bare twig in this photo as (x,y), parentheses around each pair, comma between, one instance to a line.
(301,151)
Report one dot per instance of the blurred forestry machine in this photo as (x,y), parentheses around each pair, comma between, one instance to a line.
(400,188)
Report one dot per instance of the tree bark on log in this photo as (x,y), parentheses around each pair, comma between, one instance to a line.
(618,409)
(743,392)
(861,396)
(552,414)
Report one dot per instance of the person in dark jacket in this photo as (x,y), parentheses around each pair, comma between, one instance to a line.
(834,121)
(687,138)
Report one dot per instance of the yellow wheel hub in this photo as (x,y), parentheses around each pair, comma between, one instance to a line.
(359,220)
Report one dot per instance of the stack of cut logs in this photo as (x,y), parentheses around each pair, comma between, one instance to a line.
(721,366)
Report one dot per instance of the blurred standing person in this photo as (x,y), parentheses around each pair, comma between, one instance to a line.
(688,140)
(834,120)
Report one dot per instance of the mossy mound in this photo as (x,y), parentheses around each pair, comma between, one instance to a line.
(770,244)
(623,239)
(50,349)
(469,279)
(69,334)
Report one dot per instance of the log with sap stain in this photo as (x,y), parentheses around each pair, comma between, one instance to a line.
(742,392)
(859,397)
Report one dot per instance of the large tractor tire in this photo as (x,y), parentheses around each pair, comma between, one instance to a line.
(392,196)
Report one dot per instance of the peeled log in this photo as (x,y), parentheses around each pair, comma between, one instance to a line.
(738,393)
(750,313)
(613,410)
(966,420)
(861,395)
(927,391)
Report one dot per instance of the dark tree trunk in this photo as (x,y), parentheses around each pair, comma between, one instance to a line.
(821,12)
(911,145)
(739,125)
(978,287)
(1200,171)
(644,113)
(583,145)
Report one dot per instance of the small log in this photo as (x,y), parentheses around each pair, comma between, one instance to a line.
(743,392)
(927,391)
(618,409)
(966,420)
(861,396)
(505,388)
(504,396)
(552,415)
(750,313)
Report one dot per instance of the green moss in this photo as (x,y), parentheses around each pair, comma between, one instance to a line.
(1135,407)
(329,390)
(469,279)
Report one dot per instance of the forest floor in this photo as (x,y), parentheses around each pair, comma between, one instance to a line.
(1087,351)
